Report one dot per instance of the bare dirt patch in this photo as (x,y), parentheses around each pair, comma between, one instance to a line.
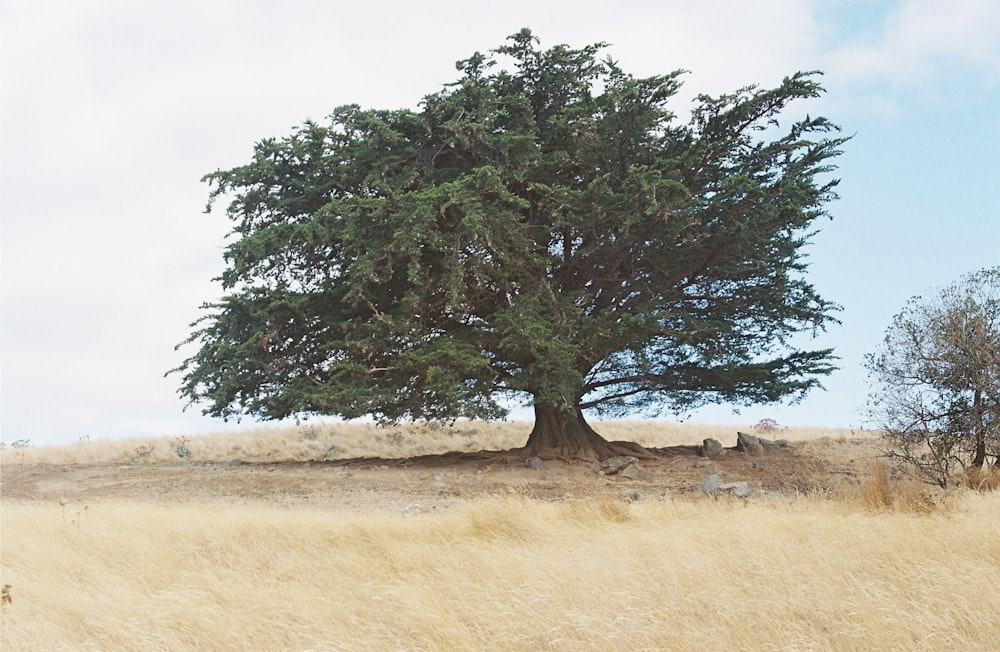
(827,466)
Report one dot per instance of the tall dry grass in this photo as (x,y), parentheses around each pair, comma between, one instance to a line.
(506,574)
(325,441)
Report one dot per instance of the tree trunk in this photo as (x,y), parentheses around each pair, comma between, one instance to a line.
(978,430)
(980,456)
(564,433)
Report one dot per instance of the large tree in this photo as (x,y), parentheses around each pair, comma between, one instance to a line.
(936,379)
(543,227)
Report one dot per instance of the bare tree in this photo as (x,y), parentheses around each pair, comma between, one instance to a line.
(936,379)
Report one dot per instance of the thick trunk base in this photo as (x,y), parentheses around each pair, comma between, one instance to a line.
(980,456)
(561,434)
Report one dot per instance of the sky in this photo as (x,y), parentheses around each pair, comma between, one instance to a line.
(112,110)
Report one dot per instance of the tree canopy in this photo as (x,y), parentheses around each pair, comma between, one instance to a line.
(544,227)
(936,379)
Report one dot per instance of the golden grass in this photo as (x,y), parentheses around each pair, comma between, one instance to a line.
(504,573)
(982,479)
(325,441)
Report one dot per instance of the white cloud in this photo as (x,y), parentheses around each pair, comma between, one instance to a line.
(921,39)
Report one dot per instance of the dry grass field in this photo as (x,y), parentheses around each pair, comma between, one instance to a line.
(276,540)
(338,440)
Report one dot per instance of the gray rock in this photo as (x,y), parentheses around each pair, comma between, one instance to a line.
(749,444)
(710,484)
(713,485)
(631,495)
(712,448)
(739,489)
(534,463)
(632,471)
(613,465)
(782,443)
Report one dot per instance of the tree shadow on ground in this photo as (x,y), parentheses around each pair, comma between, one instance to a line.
(513,457)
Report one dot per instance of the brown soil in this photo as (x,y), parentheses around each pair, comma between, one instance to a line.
(440,481)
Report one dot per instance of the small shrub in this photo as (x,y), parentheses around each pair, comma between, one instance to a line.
(144,451)
(766,426)
(180,447)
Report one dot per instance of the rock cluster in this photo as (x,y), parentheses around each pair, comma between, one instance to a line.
(748,445)
(745,443)
(752,445)
(627,465)
(713,486)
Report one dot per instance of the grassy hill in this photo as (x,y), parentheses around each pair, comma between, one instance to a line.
(275,540)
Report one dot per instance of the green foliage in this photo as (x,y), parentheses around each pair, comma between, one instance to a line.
(541,227)
(936,379)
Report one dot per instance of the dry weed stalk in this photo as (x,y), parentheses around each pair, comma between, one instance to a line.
(875,490)
(5,598)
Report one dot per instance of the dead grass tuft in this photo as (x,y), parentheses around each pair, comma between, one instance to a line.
(880,491)
(600,508)
(979,479)
(875,492)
